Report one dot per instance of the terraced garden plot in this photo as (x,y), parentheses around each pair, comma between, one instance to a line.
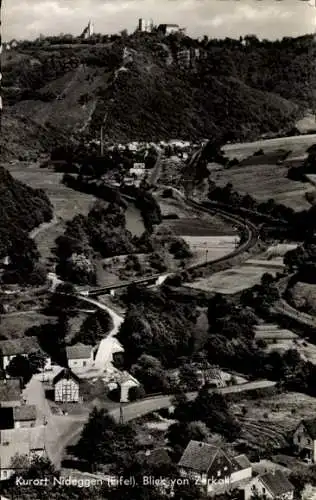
(282,411)
(262,434)
(266,181)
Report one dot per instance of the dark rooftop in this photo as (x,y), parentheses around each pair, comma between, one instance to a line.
(277,483)
(198,456)
(310,425)
(10,389)
(24,412)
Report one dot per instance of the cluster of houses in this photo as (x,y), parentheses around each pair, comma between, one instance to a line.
(21,430)
(84,361)
(218,471)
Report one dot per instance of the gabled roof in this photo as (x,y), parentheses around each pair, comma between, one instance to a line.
(10,389)
(79,351)
(20,442)
(242,462)
(310,426)
(198,456)
(277,483)
(67,374)
(24,412)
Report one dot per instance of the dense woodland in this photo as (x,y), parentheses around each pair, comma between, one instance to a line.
(237,89)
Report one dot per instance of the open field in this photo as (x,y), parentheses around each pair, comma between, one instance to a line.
(265,181)
(67,202)
(209,248)
(13,326)
(238,278)
(298,144)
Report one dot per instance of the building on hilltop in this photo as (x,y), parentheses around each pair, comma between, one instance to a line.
(88,31)
(145,26)
(168,29)
(213,468)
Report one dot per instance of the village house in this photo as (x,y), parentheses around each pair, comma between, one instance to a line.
(10,392)
(15,442)
(80,356)
(66,387)
(15,417)
(124,381)
(213,468)
(24,416)
(271,485)
(23,347)
(304,439)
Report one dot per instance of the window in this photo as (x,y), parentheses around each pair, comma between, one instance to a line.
(84,363)
(5,474)
(308,441)
(263,490)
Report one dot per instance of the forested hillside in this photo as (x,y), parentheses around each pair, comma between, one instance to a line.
(22,209)
(236,89)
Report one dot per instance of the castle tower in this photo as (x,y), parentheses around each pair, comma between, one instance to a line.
(90,28)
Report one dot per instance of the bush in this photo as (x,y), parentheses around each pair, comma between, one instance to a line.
(136,393)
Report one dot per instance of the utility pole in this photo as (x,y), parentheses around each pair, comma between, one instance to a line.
(101,141)
(121,413)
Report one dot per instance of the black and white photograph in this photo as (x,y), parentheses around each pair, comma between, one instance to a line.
(158,250)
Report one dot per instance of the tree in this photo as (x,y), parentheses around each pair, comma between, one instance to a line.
(149,371)
(189,378)
(95,327)
(104,442)
(20,367)
(180,434)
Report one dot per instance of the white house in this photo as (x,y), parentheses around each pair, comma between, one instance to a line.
(66,387)
(124,381)
(13,442)
(23,346)
(304,439)
(213,468)
(272,485)
(79,356)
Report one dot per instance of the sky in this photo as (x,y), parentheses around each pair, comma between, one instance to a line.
(271,19)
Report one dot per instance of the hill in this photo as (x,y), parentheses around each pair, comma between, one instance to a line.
(22,209)
(138,86)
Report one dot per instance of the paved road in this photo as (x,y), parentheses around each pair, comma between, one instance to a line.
(131,411)
(102,357)
(43,227)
